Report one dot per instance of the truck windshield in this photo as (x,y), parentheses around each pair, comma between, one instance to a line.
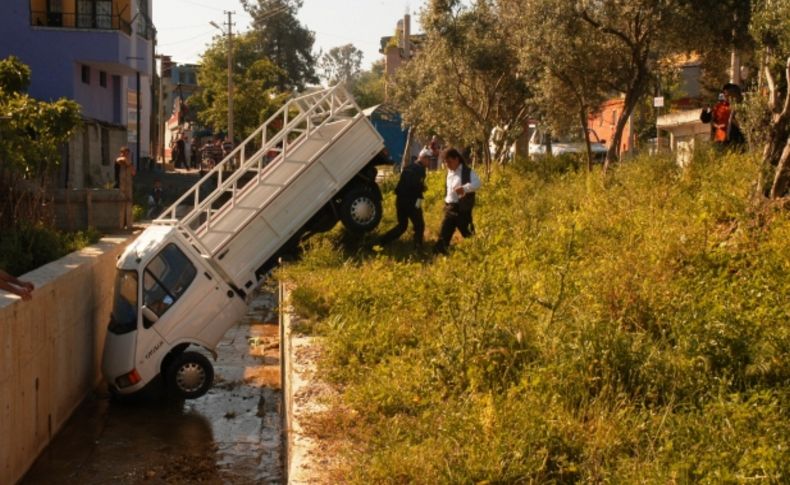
(166,278)
(124,308)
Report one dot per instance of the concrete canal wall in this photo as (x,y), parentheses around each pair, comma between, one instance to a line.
(50,350)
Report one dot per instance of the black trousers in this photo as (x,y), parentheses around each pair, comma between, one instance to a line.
(454,218)
(406,212)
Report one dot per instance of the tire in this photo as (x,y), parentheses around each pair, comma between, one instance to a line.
(360,210)
(189,375)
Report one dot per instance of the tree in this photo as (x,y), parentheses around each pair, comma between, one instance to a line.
(31,135)
(566,53)
(633,35)
(255,78)
(715,29)
(340,63)
(464,80)
(282,39)
(771,30)
(368,87)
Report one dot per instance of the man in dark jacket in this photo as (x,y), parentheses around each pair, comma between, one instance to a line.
(408,200)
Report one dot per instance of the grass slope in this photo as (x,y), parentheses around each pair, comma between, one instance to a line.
(633,331)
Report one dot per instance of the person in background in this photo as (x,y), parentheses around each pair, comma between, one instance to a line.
(725,131)
(124,170)
(180,152)
(436,149)
(155,200)
(194,155)
(408,200)
(461,184)
(12,284)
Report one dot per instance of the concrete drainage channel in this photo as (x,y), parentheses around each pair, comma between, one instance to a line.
(233,434)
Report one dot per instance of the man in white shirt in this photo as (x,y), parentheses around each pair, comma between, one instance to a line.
(461,185)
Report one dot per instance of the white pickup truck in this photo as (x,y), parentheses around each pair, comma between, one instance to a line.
(190,275)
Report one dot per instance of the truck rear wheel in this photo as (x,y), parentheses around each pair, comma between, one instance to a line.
(189,375)
(360,209)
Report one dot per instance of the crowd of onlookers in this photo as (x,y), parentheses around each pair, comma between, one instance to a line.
(199,154)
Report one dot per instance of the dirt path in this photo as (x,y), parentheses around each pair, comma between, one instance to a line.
(233,434)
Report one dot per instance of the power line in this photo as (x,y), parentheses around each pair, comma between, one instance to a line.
(203,34)
(198,4)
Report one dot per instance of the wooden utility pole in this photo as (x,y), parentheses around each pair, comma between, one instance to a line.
(229,33)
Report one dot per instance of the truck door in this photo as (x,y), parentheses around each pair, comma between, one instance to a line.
(179,303)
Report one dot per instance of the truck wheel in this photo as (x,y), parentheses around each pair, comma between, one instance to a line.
(360,210)
(190,375)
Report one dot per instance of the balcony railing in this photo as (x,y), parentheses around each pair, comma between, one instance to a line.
(71,20)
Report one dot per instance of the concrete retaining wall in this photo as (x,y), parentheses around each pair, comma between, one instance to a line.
(83,208)
(50,350)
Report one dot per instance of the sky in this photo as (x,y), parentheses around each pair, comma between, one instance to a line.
(184,30)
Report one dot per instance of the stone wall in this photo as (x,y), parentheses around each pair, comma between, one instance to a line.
(51,348)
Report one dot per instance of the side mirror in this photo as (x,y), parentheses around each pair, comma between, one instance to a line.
(149,314)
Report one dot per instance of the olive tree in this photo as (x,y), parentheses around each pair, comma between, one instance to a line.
(464,81)
(570,58)
(32,134)
(340,63)
(771,30)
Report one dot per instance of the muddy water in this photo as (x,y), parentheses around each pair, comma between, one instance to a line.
(233,434)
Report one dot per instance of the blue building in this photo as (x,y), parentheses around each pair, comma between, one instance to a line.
(98,53)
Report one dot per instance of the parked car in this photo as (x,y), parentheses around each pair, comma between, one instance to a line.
(571,142)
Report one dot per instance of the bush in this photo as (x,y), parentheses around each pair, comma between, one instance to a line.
(628,329)
(27,248)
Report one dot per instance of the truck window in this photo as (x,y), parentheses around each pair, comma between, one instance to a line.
(123,318)
(165,279)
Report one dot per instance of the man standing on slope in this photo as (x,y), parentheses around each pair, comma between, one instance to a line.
(408,200)
(462,183)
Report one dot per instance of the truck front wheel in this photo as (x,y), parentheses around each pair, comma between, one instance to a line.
(360,209)
(189,375)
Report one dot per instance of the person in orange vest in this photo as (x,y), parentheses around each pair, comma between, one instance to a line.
(724,129)
(720,119)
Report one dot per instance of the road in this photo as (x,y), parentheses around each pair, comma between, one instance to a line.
(233,434)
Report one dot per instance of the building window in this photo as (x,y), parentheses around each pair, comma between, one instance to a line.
(143,19)
(55,13)
(102,79)
(94,14)
(86,74)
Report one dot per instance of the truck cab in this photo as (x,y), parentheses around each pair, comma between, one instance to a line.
(166,298)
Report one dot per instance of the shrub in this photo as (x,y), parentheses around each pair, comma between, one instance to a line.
(28,247)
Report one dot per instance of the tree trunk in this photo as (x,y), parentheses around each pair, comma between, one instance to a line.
(777,148)
(584,122)
(405,159)
(613,153)
(486,151)
(782,177)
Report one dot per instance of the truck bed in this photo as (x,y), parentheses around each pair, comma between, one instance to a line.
(321,141)
(292,190)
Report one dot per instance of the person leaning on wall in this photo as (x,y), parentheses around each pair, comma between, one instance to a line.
(12,284)
(124,172)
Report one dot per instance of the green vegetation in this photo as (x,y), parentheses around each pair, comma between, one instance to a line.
(621,330)
(28,247)
(31,134)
